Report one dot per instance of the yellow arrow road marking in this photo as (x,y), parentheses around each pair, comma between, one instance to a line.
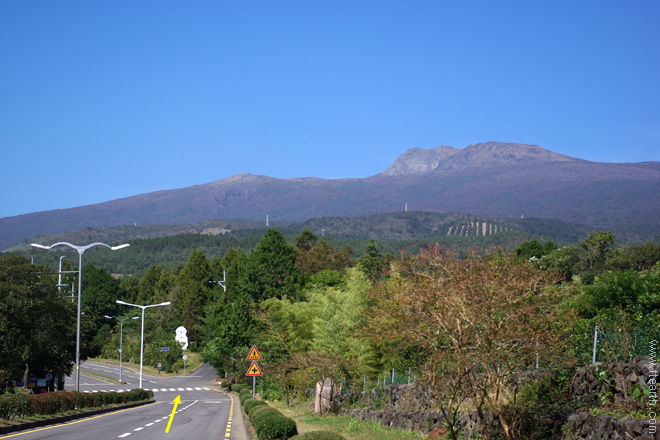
(176,402)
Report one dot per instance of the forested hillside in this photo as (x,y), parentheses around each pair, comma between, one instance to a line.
(316,311)
(170,246)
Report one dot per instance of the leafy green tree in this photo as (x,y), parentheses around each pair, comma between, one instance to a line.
(311,340)
(313,256)
(535,249)
(233,326)
(372,262)
(595,251)
(129,289)
(193,293)
(271,271)
(100,291)
(37,324)
(149,283)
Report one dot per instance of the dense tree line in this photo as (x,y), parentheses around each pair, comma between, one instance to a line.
(316,312)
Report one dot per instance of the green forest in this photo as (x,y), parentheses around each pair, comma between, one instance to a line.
(318,309)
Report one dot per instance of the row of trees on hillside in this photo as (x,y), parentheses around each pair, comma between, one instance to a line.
(467,323)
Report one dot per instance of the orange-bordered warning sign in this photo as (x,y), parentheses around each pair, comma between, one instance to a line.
(254,370)
(254,355)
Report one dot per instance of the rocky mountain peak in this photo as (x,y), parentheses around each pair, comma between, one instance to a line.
(418,161)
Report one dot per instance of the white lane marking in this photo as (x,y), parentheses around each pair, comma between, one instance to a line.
(149,424)
(139,429)
(125,435)
(151,381)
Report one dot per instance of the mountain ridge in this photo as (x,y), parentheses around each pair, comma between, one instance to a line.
(488,179)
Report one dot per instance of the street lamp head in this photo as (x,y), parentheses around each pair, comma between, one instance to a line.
(121,302)
(165,304)
(135,317)
(108,317)
(121,246)
(40,246)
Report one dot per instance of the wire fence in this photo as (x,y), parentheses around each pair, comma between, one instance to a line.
(599,345)
(621,344)
(388,377)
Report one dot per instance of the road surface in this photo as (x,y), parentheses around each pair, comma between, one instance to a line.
(205,412)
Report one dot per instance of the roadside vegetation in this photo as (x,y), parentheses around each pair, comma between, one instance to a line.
(462,321)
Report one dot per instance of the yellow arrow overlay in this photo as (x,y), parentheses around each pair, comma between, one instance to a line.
(176,402)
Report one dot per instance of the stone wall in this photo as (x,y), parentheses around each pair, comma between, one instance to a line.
(413,408)
(584,426)
(614,381)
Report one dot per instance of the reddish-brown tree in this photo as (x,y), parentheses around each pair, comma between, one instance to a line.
(479,320)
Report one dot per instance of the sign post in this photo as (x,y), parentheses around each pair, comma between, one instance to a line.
(159,363)
(254,369)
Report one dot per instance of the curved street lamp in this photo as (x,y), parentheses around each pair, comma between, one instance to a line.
(121,337)
(81,250)
(167,303)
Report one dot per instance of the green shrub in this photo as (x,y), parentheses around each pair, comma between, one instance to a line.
(259,410)
(244,398)
(249,404)
(224,384)
(14,405)
(79,398)
(138,394)
(19,405)
(89,400)
(318,435)
(274,426)
(237,387)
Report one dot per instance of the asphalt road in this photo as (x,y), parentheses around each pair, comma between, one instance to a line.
(205,412)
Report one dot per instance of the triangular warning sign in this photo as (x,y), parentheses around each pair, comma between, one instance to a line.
(254,370)
(254,355)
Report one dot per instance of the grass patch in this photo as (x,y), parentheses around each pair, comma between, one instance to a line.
(352,429)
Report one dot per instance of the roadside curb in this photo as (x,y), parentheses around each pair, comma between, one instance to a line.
(64,419)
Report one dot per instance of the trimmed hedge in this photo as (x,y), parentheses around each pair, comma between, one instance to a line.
(269,423)
(237,387)
(249,404)
(257,411)
(274,426)
(20,405)
(318,435)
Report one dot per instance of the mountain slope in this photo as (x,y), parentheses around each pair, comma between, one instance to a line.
(490,179)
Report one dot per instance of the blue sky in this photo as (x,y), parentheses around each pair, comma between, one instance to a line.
(101,100)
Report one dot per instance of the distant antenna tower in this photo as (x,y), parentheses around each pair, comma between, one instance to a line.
(322,232)
(406,209)
(522,216)
(266,220)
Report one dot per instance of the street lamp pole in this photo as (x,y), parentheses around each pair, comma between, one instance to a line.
(121,338)
(167,303)
(81,250)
